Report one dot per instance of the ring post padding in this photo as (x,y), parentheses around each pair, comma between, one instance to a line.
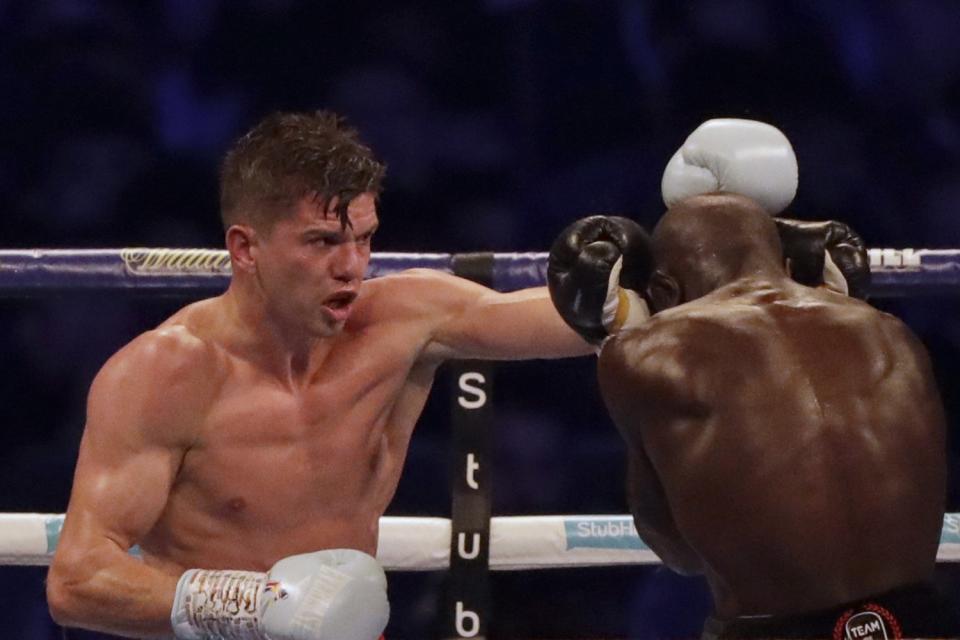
(468,597)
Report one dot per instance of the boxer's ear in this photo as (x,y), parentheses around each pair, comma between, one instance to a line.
(241,243)
(663,291)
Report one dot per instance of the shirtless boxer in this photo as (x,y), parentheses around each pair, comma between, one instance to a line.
(787,442)
(268,427)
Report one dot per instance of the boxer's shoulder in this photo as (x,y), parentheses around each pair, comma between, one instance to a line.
(678,325)
(683,337)
(168,352)
(643,369)
(650,349)
(159,386)
(171,365)
(412,294)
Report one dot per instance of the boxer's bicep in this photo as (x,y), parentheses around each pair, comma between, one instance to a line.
(124,470)
(631,386)
(653,517)
(134,440)
(638,395)
(140,411)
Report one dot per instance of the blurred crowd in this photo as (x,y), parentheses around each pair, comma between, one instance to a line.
(501,121)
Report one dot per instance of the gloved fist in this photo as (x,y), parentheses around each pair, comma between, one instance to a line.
(745,157)
(334,594)
(597,267)
(826,253)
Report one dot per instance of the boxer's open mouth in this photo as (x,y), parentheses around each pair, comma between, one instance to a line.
(341,299)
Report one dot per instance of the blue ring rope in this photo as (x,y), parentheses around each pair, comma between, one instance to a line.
(158,271)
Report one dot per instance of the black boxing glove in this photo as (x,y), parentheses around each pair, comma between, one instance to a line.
(597,267)
(826,253)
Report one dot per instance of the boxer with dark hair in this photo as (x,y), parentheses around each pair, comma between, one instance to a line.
(250,444)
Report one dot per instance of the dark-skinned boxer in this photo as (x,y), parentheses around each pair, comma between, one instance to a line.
(787,442)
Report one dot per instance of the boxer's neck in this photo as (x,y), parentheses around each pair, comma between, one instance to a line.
(281,349)
(709,275)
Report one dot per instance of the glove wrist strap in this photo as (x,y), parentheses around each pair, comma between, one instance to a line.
(623,308)
(632,311)
(218,604)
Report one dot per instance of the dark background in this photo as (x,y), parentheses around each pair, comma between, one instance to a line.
(501,121)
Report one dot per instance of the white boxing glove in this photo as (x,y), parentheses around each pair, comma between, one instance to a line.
(745,157)
(335,594)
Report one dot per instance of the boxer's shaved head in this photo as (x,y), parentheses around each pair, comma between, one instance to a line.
(705,241)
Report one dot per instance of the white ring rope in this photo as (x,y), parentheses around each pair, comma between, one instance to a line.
(423,544)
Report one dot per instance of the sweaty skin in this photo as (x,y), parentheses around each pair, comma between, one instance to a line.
(787,442)
(263,423)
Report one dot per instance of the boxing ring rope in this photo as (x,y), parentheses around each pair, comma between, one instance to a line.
(423,544)
(411,544)
(895,272)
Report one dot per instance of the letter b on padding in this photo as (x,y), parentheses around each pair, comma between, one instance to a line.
(468,622)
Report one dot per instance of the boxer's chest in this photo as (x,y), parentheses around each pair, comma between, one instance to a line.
(267,451)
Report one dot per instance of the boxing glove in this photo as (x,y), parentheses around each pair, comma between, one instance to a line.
(826,253)
(597,269)
(334,594)
(745,157)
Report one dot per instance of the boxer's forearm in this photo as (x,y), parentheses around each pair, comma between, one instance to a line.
(108,590)
(519,325)
(546,331)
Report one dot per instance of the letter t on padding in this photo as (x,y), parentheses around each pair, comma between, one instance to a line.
(472,465)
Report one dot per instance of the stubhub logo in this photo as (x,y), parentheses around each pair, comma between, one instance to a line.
(951,529)
(609,532)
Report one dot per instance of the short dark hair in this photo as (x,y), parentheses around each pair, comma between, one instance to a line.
(289,156)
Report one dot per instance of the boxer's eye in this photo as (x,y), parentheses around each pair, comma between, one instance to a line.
(324,241)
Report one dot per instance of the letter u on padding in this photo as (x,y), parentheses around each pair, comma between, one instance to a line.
(474,552)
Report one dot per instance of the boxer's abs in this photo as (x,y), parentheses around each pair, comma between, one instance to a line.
(809,472)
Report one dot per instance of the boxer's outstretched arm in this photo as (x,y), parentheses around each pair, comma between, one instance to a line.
(472,321)
(139,411)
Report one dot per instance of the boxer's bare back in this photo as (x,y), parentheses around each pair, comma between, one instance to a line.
(797,436)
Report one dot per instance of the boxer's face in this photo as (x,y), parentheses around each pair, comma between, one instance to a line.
(310,267)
